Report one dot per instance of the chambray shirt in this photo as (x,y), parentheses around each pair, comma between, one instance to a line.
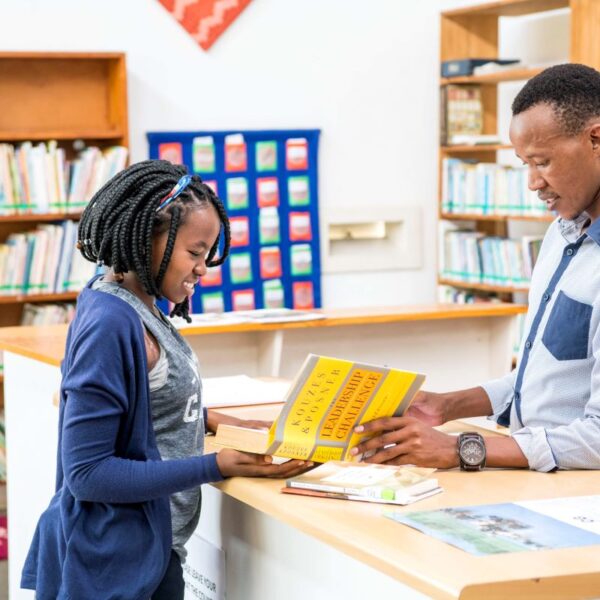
(552,398)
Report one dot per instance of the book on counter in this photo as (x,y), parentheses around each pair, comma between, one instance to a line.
(385,484)
(328,398)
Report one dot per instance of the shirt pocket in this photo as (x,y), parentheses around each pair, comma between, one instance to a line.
(568,329)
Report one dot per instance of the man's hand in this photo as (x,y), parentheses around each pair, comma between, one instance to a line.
(429,408)
(232,463)
(410,441)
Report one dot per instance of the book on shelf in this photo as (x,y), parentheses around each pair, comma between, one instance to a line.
(386,484)
(47,314)
(479,188)
(39,179)
(461,111)
(472,257)
(471,139)
(462,67)
(43,261)
(328,398)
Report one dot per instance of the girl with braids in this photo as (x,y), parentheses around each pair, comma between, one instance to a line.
(130,461)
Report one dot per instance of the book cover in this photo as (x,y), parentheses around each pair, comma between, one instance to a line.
(378,482)
(341,496)
(328,398)
(510,527)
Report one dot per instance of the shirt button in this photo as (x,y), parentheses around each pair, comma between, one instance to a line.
(528,344)
(546,297)
(569,252)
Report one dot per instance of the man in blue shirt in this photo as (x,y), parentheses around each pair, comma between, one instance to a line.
(551,401)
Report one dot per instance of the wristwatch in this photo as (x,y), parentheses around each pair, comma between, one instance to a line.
(471,451)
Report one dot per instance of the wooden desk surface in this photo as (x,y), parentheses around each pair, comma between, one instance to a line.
(424,563)
(47,343)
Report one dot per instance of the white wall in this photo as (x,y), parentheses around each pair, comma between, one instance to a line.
(364,72)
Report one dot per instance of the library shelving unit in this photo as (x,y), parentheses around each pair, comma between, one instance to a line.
(68,97)
(78,99)
(473,32)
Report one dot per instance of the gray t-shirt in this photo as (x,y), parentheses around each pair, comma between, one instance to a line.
(176,400)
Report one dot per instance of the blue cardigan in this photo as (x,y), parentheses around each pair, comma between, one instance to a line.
(107,531)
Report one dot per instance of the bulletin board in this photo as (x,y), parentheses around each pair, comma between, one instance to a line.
(267,181)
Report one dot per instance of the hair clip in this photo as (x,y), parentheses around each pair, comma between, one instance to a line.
(179,187)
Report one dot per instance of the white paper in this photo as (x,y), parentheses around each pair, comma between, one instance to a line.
(204,570)
(579,511)
(241,390)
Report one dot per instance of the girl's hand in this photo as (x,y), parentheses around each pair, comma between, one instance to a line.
(408,441)
(233,463)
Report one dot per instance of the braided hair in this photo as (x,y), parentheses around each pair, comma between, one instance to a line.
(121,220)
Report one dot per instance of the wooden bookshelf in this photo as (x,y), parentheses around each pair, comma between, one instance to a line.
(38,217)
(64,96)
(22,298)
(508,8)
(494,78)
(473,32)
(469,148)
(501,218)
(482,287)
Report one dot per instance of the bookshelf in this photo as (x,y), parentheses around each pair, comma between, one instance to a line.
(76,98)
(473,32)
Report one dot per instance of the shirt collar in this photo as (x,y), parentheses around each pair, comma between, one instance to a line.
(572,230)
(593,231)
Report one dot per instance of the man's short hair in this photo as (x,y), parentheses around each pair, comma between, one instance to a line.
(572,90)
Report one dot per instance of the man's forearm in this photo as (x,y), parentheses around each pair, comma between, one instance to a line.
(503,451)
(472,402)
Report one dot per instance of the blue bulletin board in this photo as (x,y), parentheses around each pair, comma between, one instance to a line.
(267,181)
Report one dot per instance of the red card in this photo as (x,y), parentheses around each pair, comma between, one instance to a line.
(243,300)
(303,294)
(236,158)
(296,154)
(171,151)
(213,277)
(240,231)
(300,229)
(267,191)
(270,263)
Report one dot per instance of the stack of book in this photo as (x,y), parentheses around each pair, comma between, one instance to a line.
(472,257)
(384,484)
(40,179)
(47,314)
(43,261)
(487,189)
(461,112)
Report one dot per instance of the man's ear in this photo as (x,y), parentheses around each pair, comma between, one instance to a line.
(594,134)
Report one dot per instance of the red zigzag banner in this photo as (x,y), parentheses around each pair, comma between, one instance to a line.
(205,20)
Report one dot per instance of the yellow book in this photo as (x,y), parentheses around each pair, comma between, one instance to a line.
(327,400)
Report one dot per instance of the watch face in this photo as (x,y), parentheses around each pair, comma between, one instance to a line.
(472,452)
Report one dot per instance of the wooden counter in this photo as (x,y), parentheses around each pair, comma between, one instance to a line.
(304,546)
(409,337)
(430,566)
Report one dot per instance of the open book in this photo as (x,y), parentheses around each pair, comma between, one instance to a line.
(371,483)
(328,398)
